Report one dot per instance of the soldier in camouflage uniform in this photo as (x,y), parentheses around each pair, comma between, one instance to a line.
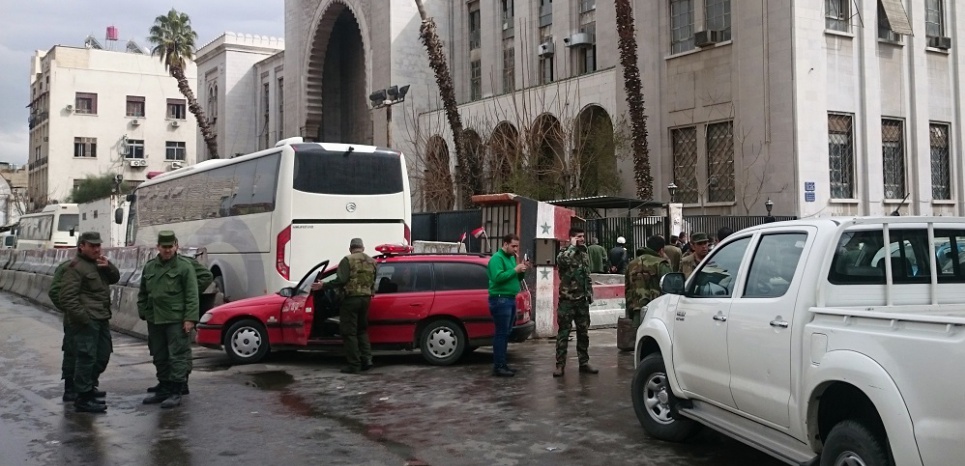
(643,277)
(575,296)
(85,297)
(168,301)
(356,277)
(701,246)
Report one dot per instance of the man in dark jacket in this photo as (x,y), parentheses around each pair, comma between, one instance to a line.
(85,297)
(168,301)
(619,257)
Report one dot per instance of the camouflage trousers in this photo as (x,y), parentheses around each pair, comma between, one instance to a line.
(569,313)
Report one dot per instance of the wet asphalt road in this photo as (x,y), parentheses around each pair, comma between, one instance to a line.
(298,409)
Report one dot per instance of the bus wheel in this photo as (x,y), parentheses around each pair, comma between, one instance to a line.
(442,342)
(246,341)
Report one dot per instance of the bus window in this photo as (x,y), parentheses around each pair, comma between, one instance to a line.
(319,171)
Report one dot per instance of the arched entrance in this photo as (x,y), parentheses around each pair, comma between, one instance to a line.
(595,149)
(437,182)
(336,98)
(548,158)
(475,153)
(504,158)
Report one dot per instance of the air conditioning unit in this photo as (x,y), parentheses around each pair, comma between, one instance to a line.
(708,38)
(943,43)
(135,122)
(137,163)
(546,49)
(505,25)
(46,138)
(70,108)
(177,164)
(175,124)
(581,39)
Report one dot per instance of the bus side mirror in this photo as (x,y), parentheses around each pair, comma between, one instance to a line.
(118,215)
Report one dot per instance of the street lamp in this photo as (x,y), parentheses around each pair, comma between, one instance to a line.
(387,98)
(673,191)
(769,205)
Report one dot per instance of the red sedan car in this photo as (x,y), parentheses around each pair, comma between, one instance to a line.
(435,302)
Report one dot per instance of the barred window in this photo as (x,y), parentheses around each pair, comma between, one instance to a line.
(841,155)
(940,168)
(685,163)
(509,69)
(475,80)
(837,15)
(720,162)
(893,158)
(681,25)
(934,18)
(717,13)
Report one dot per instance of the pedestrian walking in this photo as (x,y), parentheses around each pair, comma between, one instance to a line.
(356,278)
(168,301)
(598,256)
(505,276)
(575,297)
(85,297)
(619,256)
(701,246)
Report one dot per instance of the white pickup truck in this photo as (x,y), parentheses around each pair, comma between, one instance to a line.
(799,339)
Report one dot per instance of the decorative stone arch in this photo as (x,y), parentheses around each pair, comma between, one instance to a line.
(475,151)
(594,147)
(437,184)
(337,71)
(547,161)
(504,157)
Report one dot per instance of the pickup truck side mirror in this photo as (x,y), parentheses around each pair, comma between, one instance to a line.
(672,283)
(287,292)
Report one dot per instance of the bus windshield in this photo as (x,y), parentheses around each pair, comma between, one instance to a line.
(67,222)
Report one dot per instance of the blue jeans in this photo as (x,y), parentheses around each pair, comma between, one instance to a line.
(503,311)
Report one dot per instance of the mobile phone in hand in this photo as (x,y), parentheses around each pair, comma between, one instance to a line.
(526,257)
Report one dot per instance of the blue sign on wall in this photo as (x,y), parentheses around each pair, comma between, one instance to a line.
(809,187)
(809,197)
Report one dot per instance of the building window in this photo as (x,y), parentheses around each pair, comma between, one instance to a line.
(175,150)
(85,103)
(177,109)
(265,110)
(884,26)
(892,20)
(587,54)
(940,166)
(837,15)
(720,162)
(587,6)
(893,158)
(681,26)
(546,70)
(508,16)
(934,18)
(509,69)
(545,12)
(212,107)
(717,13)
(841,155)
(281,108)
(135,149)
(475,80)
(85,147)
(135,106)
(475,26)
(684,142)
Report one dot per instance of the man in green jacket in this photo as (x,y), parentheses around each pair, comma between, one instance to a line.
(597,256)
(168,301)
(67,346)
(85,297)
(505,276)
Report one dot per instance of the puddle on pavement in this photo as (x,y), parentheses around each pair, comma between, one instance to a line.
(271,380)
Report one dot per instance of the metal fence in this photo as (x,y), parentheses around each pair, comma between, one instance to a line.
(636,230)
(447,226)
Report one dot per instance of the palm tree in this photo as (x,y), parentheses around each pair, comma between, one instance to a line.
(467,171)
(173,41)
(631,83)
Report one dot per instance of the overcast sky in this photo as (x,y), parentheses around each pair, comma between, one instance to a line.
(40,24)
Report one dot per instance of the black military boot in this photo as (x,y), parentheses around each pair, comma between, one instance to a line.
(98,393)
(162,393)
(85,403)
(69,393)
(184,389)
(174,400)
(154,388)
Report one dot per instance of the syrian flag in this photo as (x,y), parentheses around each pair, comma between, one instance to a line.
(478,232)
(462,239)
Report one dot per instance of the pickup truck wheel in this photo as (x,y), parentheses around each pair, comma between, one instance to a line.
(655,403)
(246,341)
(442,342)
(852,444)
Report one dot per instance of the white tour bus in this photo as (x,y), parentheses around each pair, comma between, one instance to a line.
(53,227)
(267,218)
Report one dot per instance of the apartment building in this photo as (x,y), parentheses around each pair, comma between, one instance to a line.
(241,86)
(96,111)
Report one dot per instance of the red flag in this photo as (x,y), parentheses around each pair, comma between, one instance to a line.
(478,232)
(462,238)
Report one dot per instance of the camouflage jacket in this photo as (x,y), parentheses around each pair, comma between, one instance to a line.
(356,275)
(85,290)
(643,279)
(574,266)
(688,264)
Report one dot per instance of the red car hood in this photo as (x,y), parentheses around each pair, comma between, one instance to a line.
(269,300)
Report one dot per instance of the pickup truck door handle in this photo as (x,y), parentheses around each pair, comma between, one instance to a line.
(779,323)
(720,317)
